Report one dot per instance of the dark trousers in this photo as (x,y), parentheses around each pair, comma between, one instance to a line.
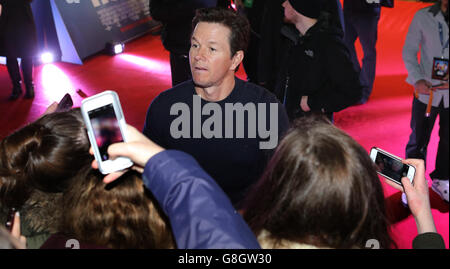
(421,131)
(180,68)
(364,26)
(14,72)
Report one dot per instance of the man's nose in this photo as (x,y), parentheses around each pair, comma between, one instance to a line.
(200,54)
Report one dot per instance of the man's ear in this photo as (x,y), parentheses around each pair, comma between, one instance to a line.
(237,59)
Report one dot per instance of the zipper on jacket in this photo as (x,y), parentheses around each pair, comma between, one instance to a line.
(286,86)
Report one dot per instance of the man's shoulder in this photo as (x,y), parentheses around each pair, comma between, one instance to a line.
(425,12)
(255,92)
(177,93)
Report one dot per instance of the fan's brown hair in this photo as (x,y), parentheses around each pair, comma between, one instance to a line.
(320,188)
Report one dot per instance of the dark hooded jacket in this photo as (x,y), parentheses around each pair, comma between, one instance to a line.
(316,65)
(271,45)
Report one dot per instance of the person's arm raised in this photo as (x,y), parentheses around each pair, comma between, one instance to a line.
(201,215)
(139,149)
(418,197)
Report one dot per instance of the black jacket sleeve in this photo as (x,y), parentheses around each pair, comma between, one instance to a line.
(428,241)
(270,45)
(345,88)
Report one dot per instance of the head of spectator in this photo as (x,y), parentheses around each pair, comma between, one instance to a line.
(302,13)
(320,189)
(219,40)
(44,155)
(52,155)
(444,5)
(120,215)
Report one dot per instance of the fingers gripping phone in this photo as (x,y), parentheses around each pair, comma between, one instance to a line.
(391,166)
(65,104)
(10,219)
(105,125)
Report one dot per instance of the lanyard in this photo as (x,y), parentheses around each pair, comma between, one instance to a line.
(441,35)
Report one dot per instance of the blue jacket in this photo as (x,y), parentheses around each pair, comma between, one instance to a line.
(201,215)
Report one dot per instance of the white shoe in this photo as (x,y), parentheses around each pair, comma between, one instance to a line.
(404,200)
(441,188)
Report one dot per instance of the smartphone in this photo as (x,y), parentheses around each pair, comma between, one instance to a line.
(65,104)
(10,219)
(105,125)
(391,166)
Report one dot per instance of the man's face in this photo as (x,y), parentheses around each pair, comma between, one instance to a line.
(289,12)
(445,3)
(210,55)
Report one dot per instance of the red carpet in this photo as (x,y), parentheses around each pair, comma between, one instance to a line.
(143,71)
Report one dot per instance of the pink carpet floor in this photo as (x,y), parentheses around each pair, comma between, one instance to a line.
(143,71)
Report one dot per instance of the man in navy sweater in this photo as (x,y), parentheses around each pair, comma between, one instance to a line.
(229,126)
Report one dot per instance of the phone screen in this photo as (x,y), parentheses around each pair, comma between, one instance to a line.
(106,128)
(391,167)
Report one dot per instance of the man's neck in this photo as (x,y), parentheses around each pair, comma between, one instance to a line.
(444,8)
(304,24)
(219,92)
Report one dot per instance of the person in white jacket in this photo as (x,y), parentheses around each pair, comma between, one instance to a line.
(428,33)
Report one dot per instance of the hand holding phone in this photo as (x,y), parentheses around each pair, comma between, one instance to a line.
(105,125)
(391,166)
(10,219)
(139,149)
(65,104)
(13,226)
(417,196)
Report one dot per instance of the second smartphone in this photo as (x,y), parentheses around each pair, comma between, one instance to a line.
(391,166)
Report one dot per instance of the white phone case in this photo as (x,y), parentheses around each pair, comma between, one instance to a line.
(411,170)
(98,101)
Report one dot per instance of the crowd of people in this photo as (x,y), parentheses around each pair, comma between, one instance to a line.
(315,188)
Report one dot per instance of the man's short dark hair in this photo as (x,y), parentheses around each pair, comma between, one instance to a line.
(238,25)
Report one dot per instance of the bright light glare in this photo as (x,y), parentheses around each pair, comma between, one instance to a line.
(47,57)
(155,66)
(55,82)
(118,48)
